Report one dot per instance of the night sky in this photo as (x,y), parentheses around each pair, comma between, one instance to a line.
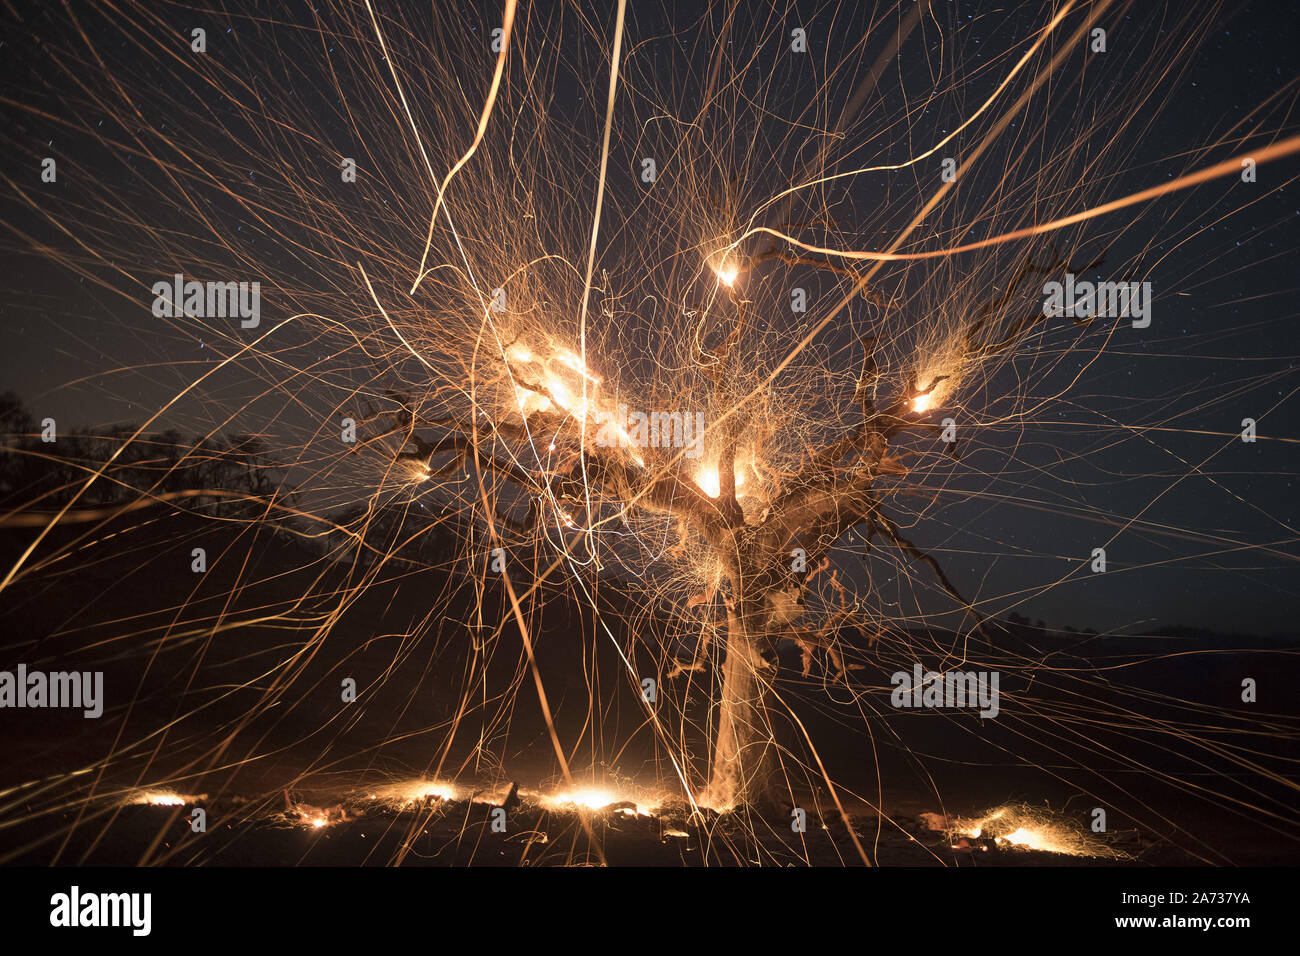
(1203,527)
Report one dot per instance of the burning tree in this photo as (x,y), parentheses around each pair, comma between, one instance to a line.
(556,438)
(518,366)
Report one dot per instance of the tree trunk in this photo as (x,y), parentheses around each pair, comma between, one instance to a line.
(743,756)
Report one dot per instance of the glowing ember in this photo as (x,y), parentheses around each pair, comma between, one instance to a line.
(316,818)
(978,827)
(560,393)
(727,275)
(1035,840)
(922,403)
(711,484)
(593,800)
(575,363)
(1032,828)
(417,790)
(163,798)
